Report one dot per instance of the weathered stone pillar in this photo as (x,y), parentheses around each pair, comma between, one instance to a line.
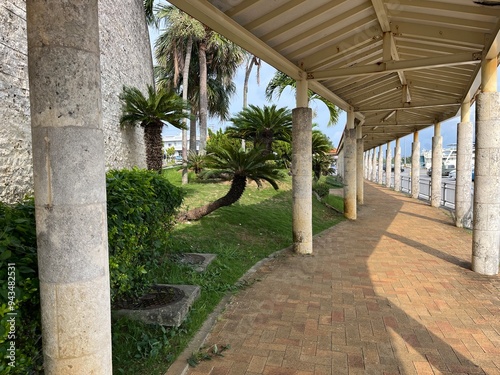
(463,198)
(437,166)
(486,231)
(397,165)
(366,168)
(350,161)
(415,166)
(359,165)
(374,165)
(302,172)
(388,157)
(70,185)
(380,171)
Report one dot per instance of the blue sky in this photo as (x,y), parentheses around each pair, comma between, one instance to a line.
(256,96)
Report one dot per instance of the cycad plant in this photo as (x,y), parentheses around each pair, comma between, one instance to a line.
(239,165)
(152,112)
(262,126)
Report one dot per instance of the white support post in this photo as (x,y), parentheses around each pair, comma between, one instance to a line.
(437,166)
(302,172)
(397,165)
(415,166)
(486,230)
(463,197)
(350,160)
(388,160)
(70,185)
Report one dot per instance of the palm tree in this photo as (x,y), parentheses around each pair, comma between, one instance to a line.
(240,165)
(152,112)
(218,59)
(321,159)
(179,36)
(263,126)
(280,81)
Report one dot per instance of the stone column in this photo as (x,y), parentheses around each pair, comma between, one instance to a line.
(397,165)
(415,166)
(302,172)
(365,164)
(359,165)
(350,161)
(463,198)
(388,163)
(437,166)
(486,231)
(380,171)
(70,185)
(374,165)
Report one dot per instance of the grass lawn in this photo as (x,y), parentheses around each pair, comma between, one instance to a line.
(259,224)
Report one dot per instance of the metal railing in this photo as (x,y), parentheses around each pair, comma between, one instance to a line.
(425,190)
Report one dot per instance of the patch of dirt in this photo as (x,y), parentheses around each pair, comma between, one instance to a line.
(157,297)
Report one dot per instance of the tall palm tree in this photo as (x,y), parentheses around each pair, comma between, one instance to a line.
(262,126)
(152,112)
(280,81)
(251,60)
(240,165)
(218,58)
(180,33)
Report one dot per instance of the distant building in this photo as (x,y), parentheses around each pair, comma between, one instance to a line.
(175,141)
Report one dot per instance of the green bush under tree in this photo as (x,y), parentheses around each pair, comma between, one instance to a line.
(141,208)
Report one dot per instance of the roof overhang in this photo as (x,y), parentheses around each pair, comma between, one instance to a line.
(401,65)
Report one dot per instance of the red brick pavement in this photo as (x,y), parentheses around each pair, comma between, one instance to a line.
(390,293)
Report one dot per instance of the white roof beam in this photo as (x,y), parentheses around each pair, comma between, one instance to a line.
(428,104)
(209,15)
(396,66)
(367,31)
(273,14)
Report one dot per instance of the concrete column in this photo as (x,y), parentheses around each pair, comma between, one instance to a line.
(380,171)
(366,165)
(486,231)
(397,165)
(301,172)
(415,166)
(350,161)
(374,165)
(463,199)
(437,166)
(388,163)
(70,185)
(359,165)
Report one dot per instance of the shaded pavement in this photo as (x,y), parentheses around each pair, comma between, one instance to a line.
(391,293)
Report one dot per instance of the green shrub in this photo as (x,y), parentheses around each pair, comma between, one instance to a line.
(19,293)
(321,188)
(141,208)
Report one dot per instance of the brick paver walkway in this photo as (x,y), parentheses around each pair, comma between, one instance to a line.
(391,293)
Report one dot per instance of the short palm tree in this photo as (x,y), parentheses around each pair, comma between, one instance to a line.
(321,159)
(152,112)
(240,165)
(262,126)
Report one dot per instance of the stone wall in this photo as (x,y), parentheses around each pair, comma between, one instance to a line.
(125,60)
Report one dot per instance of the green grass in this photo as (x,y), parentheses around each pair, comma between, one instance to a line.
(335,202)
(259,224)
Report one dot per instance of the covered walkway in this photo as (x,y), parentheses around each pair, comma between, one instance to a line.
(389,293)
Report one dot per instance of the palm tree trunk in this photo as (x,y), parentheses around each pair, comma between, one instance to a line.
(185,79)
(237,189)
(203,94)
(192,129)
(154,146)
